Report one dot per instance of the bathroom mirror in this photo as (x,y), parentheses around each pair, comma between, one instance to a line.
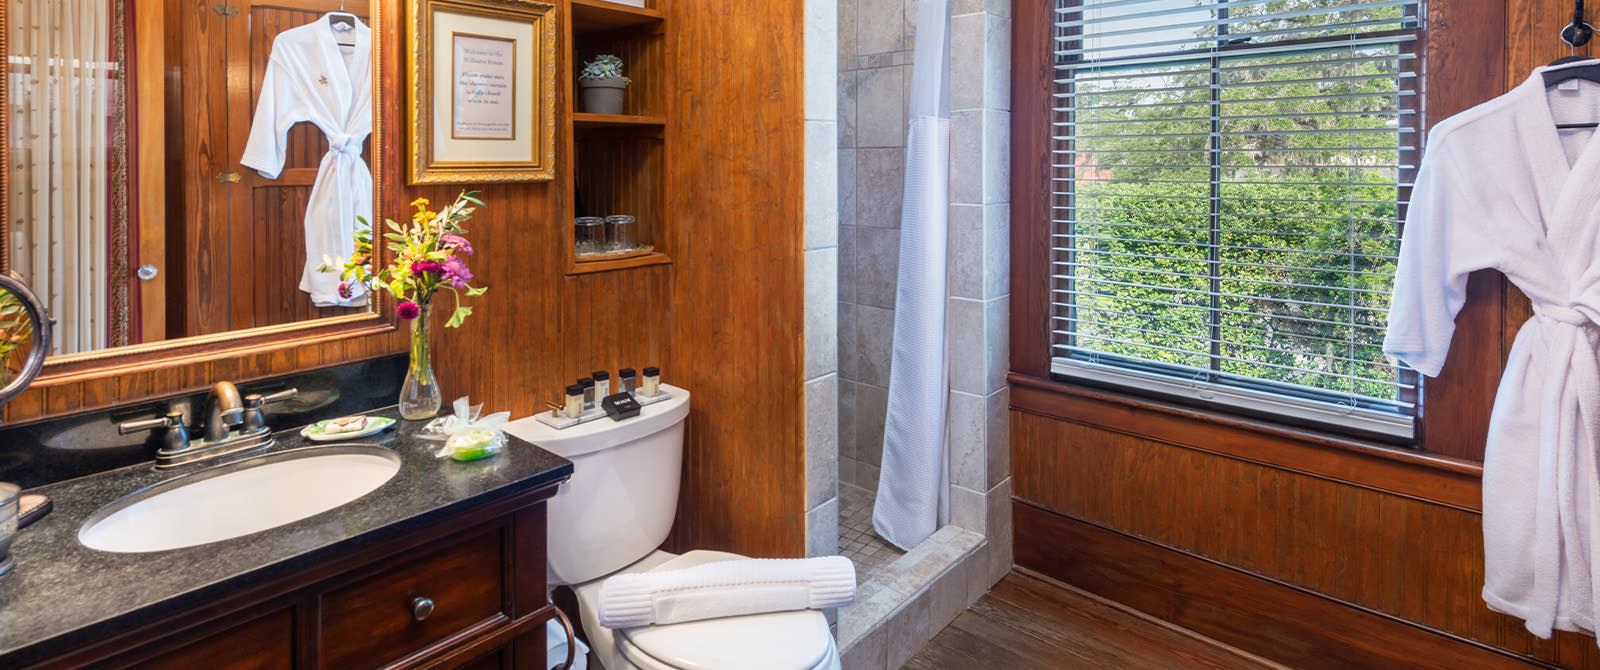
(24,336)
(183,171)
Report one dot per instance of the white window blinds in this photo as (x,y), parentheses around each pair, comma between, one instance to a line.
(1229,180)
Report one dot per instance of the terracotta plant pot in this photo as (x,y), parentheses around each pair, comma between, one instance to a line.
(603,96)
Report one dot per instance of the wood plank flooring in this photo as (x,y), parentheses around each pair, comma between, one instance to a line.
(1028,622)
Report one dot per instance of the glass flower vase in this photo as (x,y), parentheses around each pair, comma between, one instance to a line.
(419,395)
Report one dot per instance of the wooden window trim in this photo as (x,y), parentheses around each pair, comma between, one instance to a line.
(1464,65)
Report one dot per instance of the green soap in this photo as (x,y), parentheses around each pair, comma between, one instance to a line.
(472,453)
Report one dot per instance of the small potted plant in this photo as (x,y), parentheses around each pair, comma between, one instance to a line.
(603,85)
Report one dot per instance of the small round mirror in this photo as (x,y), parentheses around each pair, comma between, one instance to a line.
(24,336)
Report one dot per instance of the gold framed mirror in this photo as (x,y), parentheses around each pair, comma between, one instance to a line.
(180,174)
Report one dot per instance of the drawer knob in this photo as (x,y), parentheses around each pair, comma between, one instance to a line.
(421,608)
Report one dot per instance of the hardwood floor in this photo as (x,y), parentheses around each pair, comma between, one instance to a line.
(1028,622)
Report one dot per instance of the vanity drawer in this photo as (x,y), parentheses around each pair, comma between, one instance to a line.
(403,610)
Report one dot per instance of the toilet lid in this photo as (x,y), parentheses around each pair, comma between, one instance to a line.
(778,641)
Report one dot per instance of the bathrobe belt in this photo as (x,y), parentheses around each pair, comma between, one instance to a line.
(1568,483)
(341,143)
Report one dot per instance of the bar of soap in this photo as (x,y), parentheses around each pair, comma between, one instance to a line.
(473,444)
(348,424)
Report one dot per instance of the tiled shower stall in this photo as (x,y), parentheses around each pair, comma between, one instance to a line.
(858,77)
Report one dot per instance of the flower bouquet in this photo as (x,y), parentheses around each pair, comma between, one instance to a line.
(429,255)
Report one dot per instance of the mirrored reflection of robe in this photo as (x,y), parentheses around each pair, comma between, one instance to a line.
(311,79)
(1501,187)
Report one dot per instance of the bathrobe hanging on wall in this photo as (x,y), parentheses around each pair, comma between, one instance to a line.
(1501,187)
(311,78)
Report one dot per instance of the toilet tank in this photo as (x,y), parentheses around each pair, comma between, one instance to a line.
(619,505)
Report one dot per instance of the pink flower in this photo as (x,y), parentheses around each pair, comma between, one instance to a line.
(420,268)
(456,272)
(345,292)
(457,242)
(407,310)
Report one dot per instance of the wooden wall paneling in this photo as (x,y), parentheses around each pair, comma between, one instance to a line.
(735,187)
(1261,616)
(1416,563)
(1445,481)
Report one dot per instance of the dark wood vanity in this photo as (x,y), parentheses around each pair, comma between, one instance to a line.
(467,591)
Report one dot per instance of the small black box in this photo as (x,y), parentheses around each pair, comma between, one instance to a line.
(621,406)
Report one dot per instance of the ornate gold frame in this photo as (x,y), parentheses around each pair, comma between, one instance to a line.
(118,360)
(419,67)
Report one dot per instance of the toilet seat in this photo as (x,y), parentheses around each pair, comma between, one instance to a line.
(798,640)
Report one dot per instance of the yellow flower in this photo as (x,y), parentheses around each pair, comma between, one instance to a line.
(420,203)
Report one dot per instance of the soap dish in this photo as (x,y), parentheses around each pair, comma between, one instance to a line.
(375,425)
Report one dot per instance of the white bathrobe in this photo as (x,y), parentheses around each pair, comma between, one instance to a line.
(310,78)
(1502,188)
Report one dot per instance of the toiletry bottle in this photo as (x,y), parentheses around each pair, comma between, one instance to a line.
(652,383)
(602,384)
(588,392)
(574,402)
(627,381)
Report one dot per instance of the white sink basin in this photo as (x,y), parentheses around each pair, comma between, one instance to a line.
(239,499)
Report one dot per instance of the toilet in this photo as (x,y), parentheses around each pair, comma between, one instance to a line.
(610,519)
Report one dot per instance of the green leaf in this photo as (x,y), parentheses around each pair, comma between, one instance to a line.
(475,292)
(458,316)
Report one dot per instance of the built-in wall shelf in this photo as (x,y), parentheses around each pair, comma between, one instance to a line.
(597,15)
(653,258)
(584,120)
(618,161)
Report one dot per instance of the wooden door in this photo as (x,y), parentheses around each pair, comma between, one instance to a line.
(270,213)
(242,242)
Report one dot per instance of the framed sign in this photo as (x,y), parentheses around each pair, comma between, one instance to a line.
(483,94)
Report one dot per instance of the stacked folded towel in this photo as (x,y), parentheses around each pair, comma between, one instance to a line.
(726,588)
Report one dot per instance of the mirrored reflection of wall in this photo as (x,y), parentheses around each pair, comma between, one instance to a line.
(133,214)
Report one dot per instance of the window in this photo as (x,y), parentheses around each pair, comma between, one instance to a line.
(1229,178)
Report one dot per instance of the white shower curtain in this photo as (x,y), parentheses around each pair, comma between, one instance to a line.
(60,79)
(913,499)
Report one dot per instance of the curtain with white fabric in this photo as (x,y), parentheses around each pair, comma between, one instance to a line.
(913,484)
(63,80)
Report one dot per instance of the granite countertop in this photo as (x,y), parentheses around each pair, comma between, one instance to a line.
(62,594)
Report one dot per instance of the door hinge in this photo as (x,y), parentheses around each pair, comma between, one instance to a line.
(225,9)
(229,177)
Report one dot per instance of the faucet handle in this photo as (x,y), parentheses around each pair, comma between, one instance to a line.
(173,419)
(270,398)
(255,408)
(175,436)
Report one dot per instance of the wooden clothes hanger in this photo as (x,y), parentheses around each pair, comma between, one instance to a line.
(344,26)
(1576,34)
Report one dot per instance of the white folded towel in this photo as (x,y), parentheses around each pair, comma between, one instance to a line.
(726,588)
